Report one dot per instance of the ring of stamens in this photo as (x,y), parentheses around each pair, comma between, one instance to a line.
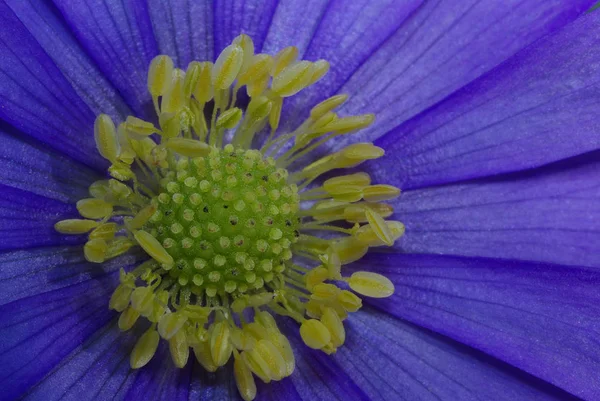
(232,233)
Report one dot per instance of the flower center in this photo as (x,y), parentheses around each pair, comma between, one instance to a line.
(227,220)
(232,233)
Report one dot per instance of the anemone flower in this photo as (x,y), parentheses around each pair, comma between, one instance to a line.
(201,200)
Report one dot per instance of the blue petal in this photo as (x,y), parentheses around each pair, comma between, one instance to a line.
(538,107)
(346,34)
(183,29)
(549,214)
(27,273)
(39,331)
(44,23)
(27,220)
(118,36)
(37,98)
(541,318)
(393,360)
(442,47)
(34,168)
(232,17)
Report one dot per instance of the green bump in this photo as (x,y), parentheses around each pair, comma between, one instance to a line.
(225,219)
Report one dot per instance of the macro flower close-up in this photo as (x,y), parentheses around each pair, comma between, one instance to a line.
(299,200)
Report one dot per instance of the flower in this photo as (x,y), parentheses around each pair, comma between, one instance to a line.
(485,113)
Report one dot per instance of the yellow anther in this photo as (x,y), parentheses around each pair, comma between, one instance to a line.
(197,313)
(204,357)
(371,284)
(143,148)
(316,276)
(142,300)
(359,152)
(128,318)
(245,42)
(142,217)
(203,91)
(188,147)
(349,301)
(317,126)
(292,79)
(326,106)
(257,330)
(174,98)
(95,250)
(334,325)
(144,349)
(230,118)
(348,124)
(180,350)
(153,247)
(118,246)
(99,189)
(257,87)
(120,298)
(314,334)
(117,192)
(275,114)
(220,343)
(241,339)
(258,109)
(159,75)
(340,183)
(273,358)
(170,323)
(356,213)
(105,135)
(126,153)
(319,69)
(284,58)
(227,66)
(367,234)
(139,129)
(92,208)
(121,171)
(380,192)
(333,264)
(379,227)
(259,67)
(192,74)
(285,349)
(75,226)
(104,231)
(256,364)
(243,378)
(258,300)
(350,250)
(266,320)
(324,292)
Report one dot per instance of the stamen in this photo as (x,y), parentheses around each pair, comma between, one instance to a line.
(232,236)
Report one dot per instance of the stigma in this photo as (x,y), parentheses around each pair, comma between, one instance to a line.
(236,233)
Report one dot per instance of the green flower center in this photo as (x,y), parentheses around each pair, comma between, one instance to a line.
(228,220)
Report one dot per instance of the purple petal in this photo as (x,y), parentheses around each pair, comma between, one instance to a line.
(39,331)
(538,107)
(27,220)
(34,168)
(232,17)
(183,29)
(118,36)
(541,318)
(346,34)
(442,47)
(36,97)
(394,360)
(550,214)
(49,30)
(30,272)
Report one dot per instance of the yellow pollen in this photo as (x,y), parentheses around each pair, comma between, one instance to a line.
(233,232)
